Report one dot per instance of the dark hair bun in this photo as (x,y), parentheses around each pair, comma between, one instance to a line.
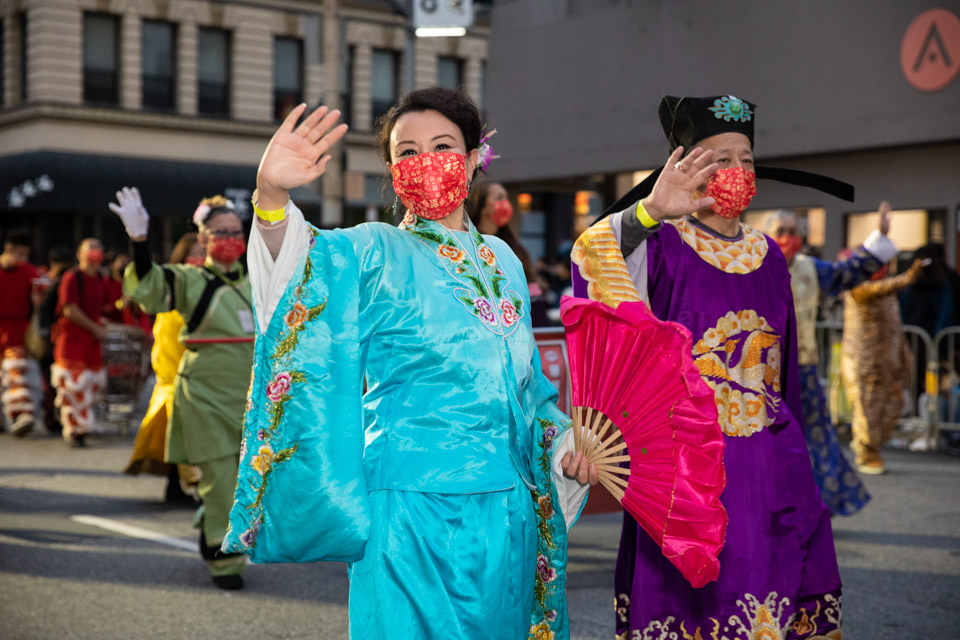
(455,106)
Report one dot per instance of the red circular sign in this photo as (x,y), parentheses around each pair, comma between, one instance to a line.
(930,51)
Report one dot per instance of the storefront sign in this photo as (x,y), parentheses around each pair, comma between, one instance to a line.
(553,360)
(930,50)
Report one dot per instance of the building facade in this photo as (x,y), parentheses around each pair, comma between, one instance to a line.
(868,93)
(180,97)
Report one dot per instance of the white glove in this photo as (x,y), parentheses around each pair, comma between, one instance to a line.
(135,217)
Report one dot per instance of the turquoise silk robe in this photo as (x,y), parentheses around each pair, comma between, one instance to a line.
(439,483)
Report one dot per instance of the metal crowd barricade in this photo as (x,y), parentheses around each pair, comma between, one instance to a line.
(947,378)
(920,416)
(923,404)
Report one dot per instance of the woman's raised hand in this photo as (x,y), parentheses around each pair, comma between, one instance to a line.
(676,192)
(296,155)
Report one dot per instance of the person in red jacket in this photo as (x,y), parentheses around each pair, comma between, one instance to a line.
(17,277)
(77,372)
(113,310)
(123,309)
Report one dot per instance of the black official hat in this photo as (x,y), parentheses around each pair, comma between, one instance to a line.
(687,121)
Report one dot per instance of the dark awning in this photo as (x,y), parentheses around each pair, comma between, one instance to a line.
(53,181)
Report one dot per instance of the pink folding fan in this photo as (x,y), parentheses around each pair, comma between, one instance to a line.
(644,415)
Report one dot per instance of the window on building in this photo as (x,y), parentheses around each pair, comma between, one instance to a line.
(287,75)
(483,85)
(346,87)
(449,72)
(909,228)
(3,61)
(213,72)
(24,37)
(101,59)
(159,65)
(383,81)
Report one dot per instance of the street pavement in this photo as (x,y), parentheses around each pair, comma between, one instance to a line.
(77,561)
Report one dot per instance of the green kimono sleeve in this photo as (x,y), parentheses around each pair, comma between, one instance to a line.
(163,288)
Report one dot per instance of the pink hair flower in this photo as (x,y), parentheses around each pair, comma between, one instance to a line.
(200,215)
(485,151)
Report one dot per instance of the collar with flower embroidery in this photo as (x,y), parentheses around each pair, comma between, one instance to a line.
(480,283)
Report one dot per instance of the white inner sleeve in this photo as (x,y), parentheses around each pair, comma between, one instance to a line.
(880,246)
(637,261)
(570,492)
(269,276)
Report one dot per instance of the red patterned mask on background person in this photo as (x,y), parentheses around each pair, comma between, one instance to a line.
(790,245)
(502,212)
(226,250)
(431,185)
(732,189)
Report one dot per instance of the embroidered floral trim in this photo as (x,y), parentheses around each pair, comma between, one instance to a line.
(263,463)
(621,605)
(544,585)
(278,392)
(296,320)
(542,631)
(730,256)
(761,620)
(453,254)
(484,289)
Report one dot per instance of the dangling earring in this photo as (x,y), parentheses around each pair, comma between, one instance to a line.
(396,204)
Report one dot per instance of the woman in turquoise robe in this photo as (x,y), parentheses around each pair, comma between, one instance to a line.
(442,484)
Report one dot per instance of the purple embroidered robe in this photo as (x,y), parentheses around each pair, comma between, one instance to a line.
(778,569)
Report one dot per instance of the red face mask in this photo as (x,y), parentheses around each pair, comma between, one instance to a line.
(790,245)
(431,185)
(226,250)
(95,257)
(195,260)
(502,212)
(733,189)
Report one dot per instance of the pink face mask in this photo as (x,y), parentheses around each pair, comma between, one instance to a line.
(195,260)
(502,212)
(431,185)
(733,189)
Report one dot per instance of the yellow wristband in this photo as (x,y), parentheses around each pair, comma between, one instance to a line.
(644,217)
(275,215)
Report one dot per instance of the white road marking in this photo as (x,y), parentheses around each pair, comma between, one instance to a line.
(135,532)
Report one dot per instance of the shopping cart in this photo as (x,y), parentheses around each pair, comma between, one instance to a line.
(126,358)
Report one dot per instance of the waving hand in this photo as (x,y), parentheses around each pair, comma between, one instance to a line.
(676,192)
(297,155)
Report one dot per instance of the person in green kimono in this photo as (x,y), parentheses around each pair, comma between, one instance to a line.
(209,391)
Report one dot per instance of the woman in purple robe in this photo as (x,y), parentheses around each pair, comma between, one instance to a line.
(729,285)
